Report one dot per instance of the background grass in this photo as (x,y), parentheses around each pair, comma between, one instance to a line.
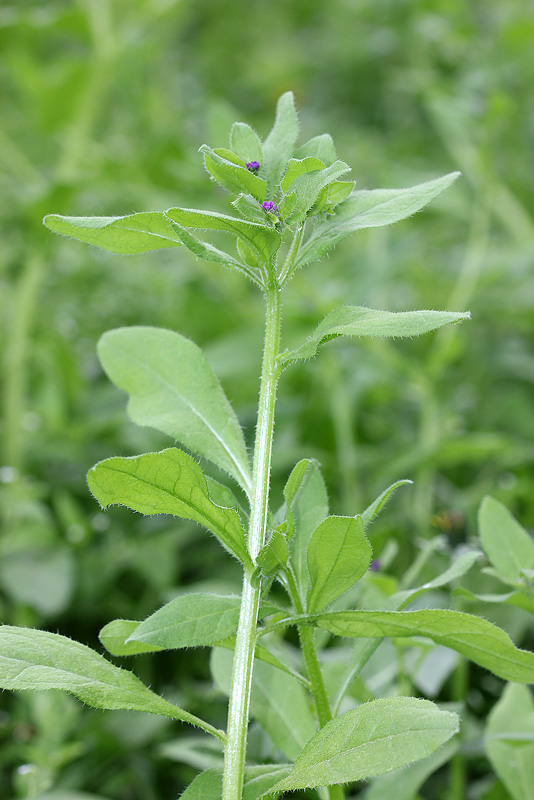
(104,104)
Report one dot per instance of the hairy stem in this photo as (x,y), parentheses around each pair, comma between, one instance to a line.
(238,711)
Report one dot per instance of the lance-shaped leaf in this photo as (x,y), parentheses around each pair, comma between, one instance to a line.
(510,741)
(208,252)
(135,233)
(473,637)
(371,740)
(274,555)
(307,188)
(370,209)
(338,555)
(233,176)
(258,781)
(459,567)
(372,511)
(280,143)
(263,239)
(361,321)
(321,147)
(115,636)
(172,388)
(506,543)
(38,660)
(169,482)
(246,143)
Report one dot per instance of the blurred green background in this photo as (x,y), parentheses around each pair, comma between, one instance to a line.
(103,106)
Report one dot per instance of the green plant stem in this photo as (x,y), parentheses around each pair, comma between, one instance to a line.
(318,689)
(458,766)
(238,711)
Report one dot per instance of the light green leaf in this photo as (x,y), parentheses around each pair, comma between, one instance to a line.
(265,655)
(506,543)
(114,636)
(307,506)
(370,209)
(200,752)
(135,233)
(191,620)
(510,741)
(459,567)
(263,239)
(372,511)
(274,555)
(279,702)
(38,660)
(249,207)
(308,186)
(169,482)
(373,739)
(234,177)
(338,555)
(246,143)
(473,637)
(321,147)
(208,252)
(361,321)
(172,388)
(299,166)
(404,784)
(280,143)
(337,192)
(258,782)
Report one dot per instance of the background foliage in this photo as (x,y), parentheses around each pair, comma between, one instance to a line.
(104,104)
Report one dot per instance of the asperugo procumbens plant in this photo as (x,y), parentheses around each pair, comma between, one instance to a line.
(292,200)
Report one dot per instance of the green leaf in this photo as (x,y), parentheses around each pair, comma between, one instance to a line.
(38,660)
(263,239)
(361,321)
(475,638)
(372,511)
(114,636)
(279,702)
(299,166)
(191,620)
(135,233)
(404,784)
(208,252)
(169,482)
(280,143)
(507,545)
(274,555)
(510,741)
(308,186)
(338,555)
(258,781)
(307,506)
(371,740)
(232,176)
(321,147)
(370,209)
(459,567)
(172,388)
(337,192)
(249,207)
(246,143)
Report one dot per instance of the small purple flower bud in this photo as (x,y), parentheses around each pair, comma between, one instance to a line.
(253,166)
(375,565)
(268,205)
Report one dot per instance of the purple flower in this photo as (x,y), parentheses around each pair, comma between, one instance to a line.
(375,565)
(268,205)
(253,166)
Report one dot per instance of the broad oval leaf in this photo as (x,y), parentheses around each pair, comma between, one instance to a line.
(506,543)
(172,388)
(370,209)
(38,660)
(361,321)
(338,555)
(168,482)
(128,235)
(246,143)
(370,740)
(280,143)
(263,239)
(473,637)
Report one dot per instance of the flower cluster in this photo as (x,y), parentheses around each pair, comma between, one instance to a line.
(268,205)
(253,166)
